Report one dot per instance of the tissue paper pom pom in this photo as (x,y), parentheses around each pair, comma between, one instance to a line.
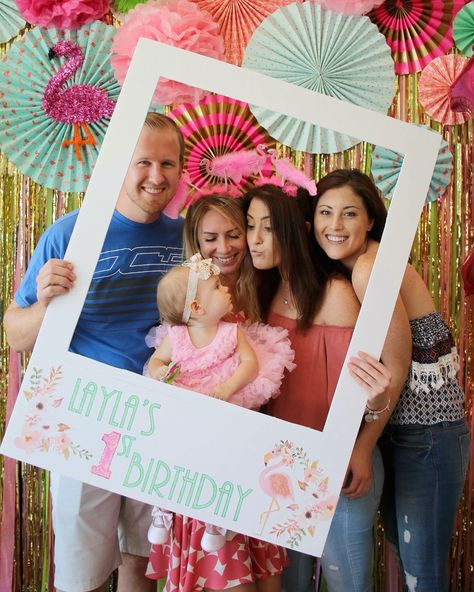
(179,23)
(356,7)
(63,14)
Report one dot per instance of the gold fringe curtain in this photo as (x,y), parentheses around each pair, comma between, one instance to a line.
(444,237)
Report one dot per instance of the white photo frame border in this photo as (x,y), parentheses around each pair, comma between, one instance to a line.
(420,148)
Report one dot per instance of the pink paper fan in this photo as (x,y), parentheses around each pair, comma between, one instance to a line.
(237,21)
(356,7)
(63,14)
(214,127)
(417,31)
(461,94)
(434,87)
(179,23)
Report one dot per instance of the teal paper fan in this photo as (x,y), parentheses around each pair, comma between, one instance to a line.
(11,20)
(463,29)
(338,55)
(386,166)
(38,134)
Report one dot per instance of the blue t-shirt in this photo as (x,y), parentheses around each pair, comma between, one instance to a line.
(120,306)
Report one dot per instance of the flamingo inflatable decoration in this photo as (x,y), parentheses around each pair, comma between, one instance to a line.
(235,165)
(287,171)
(261,161)
(77,105)
(275,484)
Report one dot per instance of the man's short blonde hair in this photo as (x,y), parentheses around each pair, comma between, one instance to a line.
(160,121)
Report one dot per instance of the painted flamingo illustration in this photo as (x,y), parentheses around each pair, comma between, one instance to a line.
(77,105)
(275,484)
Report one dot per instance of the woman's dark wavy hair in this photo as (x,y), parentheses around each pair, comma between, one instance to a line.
(307,282)
(363,186)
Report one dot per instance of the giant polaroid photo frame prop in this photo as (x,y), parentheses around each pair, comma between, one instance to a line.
(190,453)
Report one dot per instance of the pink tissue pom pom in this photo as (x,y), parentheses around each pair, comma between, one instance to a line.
(63,14)
(355,7)
(179,23)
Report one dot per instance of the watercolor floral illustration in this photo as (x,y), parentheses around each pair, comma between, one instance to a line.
(41,429)
(296,483)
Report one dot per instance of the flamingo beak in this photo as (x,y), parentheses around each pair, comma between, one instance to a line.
(267,458)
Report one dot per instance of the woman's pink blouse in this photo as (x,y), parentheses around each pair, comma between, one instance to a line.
(307,391)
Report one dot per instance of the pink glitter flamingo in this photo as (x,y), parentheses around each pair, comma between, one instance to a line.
(275,484)
(77,105)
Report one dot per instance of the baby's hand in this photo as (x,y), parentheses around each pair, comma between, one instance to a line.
(222,391)
(159,373)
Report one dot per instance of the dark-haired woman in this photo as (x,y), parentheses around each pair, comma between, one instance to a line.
(426,444)
(319,309)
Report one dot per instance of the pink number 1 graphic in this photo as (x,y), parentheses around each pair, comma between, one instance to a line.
(103,468)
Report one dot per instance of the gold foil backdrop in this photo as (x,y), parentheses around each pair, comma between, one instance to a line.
(444,236)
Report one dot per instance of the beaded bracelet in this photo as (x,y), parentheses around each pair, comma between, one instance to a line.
(373,414)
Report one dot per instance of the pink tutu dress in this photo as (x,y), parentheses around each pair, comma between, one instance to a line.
(202,369)
(242,559)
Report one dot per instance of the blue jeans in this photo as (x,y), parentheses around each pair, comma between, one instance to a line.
(347,555)
(425,468)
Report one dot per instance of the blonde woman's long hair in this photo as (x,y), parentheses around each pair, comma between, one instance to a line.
(231,209)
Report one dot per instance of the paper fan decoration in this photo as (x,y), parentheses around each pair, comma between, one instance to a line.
(63,14)
(55,111)
(215,127)
(386,166)
(435,85)
(417,31)
(356,7)
(237,21)
(463,29)
(179,23)
(11,21)
(341,56)
(461,93)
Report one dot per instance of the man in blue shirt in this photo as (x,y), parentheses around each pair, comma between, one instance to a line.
(96,530)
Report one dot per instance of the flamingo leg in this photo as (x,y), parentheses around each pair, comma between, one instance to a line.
(265,515)
(78,141)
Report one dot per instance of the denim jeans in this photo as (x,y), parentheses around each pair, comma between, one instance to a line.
(425,468)
(347,555)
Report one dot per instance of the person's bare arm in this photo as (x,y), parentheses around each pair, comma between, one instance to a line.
(246,371)
(22,325)
(396,357)
(158,363)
